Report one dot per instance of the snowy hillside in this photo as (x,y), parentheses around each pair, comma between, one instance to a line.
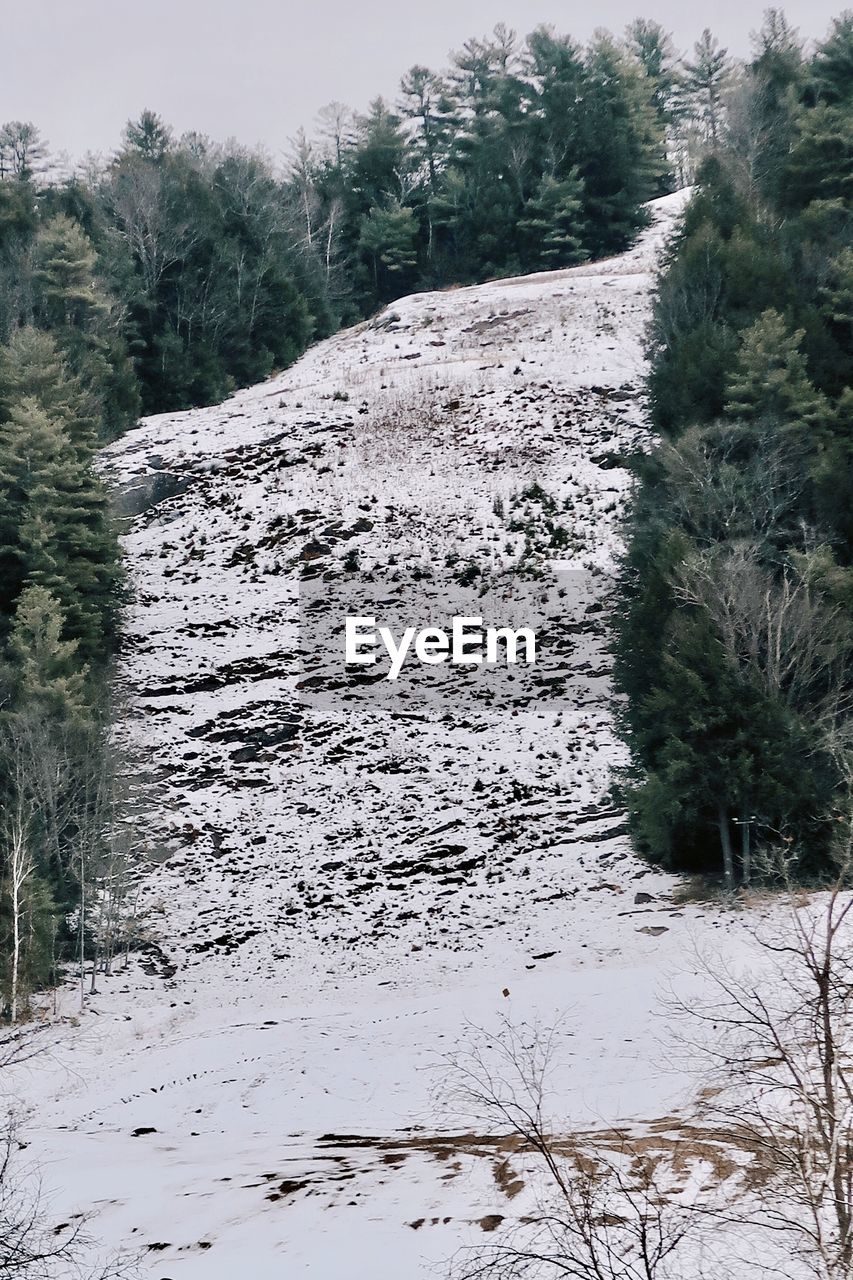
(348,887)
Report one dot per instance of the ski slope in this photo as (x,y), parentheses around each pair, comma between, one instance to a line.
(346,890)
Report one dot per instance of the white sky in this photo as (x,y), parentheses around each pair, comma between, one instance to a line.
(258,69)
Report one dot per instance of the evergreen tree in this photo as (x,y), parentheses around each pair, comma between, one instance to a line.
(718,750)
(379,158)
(55,529)
(753,319)
(623,153)
(653,48)
(554,67)
(388,242)
(31,367)
(22,150)
(837,294)
(770,379)
(769,94)
(777,51)
(705,80)
(64,276)
(149,136)
(71,303)
(491,156)
(49,680)
(831,78)
(820,163)
(553,223)
(427,103)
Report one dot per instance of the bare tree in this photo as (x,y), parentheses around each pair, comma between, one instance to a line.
(603,1210)
(47,753)
(302,167)
(775,1063)
(337,125)
(318,221)
(31,1247)
(138,194)
(19,857)
(775,626)
(736,495)
(37,812)
(109,852)
(748,136)
(720,489)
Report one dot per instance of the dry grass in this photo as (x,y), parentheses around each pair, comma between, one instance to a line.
(669,1143)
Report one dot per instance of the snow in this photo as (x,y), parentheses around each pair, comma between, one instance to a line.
(340,903)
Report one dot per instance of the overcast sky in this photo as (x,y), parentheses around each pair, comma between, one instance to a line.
(258,69)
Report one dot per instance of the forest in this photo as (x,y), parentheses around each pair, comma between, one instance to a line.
(177,269)
(735,635)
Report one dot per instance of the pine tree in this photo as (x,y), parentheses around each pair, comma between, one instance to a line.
(379,158)
(32,367)
(553,223)
(838,293)
(777,51)
(555,69)
(71,302)
(426,101)
(820,163)
(491,173)
(622,147)
(762,113)
(704,83)
(771,380)
(731,677)
(653,48)
(50,680)
(66,292)
(832,66)
(483,72)
(388,241)
(22,150)
(55,529)
(149,136)
(716,748)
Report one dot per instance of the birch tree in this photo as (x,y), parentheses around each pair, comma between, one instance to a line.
(18,855)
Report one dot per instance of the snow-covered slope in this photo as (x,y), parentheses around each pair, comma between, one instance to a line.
(349,886)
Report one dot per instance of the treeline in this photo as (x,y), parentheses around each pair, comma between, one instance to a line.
(182,256)
(521,156)
(199,267)
(736,632)
(64,381)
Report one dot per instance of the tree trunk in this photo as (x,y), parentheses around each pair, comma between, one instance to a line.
(726,844)
(16,944)
(20,869)
(82,939)
(745,850)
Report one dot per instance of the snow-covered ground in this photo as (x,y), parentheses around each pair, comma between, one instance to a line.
(352,886)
